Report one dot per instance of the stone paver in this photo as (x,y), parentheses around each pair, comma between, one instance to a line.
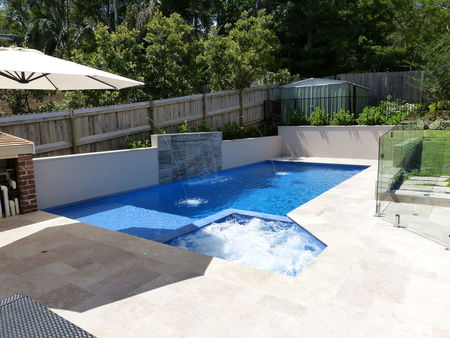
(373,280)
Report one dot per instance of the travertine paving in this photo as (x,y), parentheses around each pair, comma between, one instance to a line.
(373,280)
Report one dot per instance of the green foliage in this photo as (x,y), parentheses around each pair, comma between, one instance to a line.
(184,127)
(19,101)
(50,106)
(358,36)
(204,127)
(367,35)
(172,64)
(421,124)
(139,144)
(438,109)
(370,116)
(279,77)
(244,55)
(231,131)
(158,130)
(118,52)
(318,117)
(389,112)
(439,124)
(342,118)
(176,47)
(436,56)
(297,119)
(269,129)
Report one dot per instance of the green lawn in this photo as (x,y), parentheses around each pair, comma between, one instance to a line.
(436,152)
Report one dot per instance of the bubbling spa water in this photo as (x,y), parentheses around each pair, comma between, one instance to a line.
(276,246)
(192,202)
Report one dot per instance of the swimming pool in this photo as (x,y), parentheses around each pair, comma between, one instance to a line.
(271,187)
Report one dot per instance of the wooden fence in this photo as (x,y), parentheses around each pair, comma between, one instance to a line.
(400,85)
(109,128)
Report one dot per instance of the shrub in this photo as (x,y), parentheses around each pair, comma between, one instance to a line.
(319,117)
(269,130)
(370,116)
(184,128)
(395,118)
(139,144)
(297,119)
(421,124)
(342,118)
(158,130)
(439,124)
(436,109)
(204,127)
(231,131)
(389,111)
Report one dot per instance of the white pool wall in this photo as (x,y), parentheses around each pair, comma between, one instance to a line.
(237,153)
(355,142)
(67,179)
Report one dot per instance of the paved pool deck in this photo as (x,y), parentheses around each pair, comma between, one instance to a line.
(373,280)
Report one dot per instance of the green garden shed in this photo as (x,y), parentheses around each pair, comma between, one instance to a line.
(330,95)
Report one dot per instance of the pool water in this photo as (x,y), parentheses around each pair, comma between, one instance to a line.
(275,245)
(271,187)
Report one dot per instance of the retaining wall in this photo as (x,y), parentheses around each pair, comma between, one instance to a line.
(66,179)
(359,142)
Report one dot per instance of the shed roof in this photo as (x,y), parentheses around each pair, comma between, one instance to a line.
(317,82)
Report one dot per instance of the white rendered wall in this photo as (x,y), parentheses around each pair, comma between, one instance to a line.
(67,179)
(359,142)
(236,153)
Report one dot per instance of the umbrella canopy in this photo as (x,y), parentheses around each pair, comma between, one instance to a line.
(22,68)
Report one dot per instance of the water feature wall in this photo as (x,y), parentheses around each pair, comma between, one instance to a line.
(182,156)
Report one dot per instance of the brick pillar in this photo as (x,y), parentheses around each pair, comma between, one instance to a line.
(26,183)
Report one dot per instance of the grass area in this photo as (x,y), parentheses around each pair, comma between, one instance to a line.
(436,152)
(429,161)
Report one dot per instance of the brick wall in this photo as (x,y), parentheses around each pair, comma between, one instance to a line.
(26,183)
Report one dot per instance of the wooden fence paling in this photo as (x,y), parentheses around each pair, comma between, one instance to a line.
(73,132)
(400,85)
(107,128)
(241,108)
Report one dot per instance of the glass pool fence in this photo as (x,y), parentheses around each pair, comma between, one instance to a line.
(413,187)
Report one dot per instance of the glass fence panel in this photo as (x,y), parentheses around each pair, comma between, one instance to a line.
(413,188)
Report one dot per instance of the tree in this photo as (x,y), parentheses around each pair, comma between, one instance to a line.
(242,56)
(171,56)
(436,58)
(120,52)
(164,55)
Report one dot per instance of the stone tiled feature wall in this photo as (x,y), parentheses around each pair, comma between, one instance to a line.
(183,156)
(26,183)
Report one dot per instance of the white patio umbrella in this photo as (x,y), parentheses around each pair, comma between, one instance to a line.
(22,68)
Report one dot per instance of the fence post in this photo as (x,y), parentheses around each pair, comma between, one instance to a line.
(241,109)
(267,105)
(151,116)
(204,106)
(73,132)
(422,80)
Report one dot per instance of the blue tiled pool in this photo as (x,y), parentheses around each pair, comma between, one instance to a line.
(271,187)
